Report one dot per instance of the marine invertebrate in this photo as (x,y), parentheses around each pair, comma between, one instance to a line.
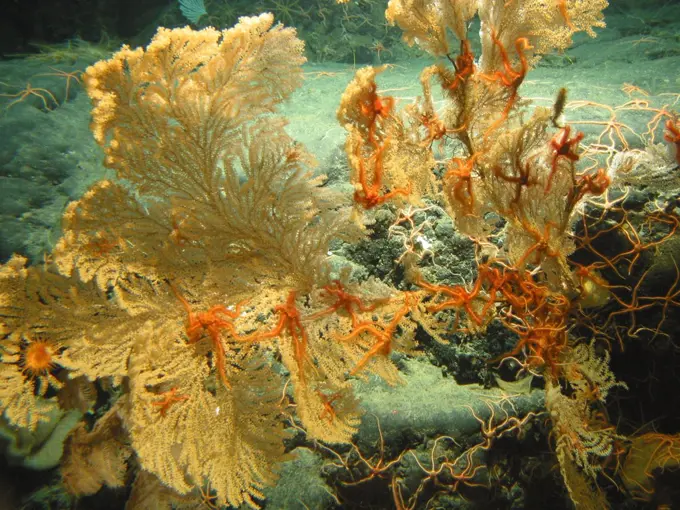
(213,321)
(562,147)
(287,11)
(37,358)
(30,91)
(672,135)
(382,333)
(512,182)
(212,197)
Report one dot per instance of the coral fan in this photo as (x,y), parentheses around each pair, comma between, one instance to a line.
(196,281)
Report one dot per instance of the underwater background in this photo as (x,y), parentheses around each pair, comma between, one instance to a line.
(465,427)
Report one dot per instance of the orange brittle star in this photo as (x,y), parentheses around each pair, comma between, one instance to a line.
(212,322)
(169,397)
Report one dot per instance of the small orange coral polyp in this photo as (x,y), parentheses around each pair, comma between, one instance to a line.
(38,358)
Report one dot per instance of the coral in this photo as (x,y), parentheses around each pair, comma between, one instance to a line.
(173,280)
(382,333)
(195,282)
(95,458)
(27,354)
(96,264)
(377,147)
(517,188)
